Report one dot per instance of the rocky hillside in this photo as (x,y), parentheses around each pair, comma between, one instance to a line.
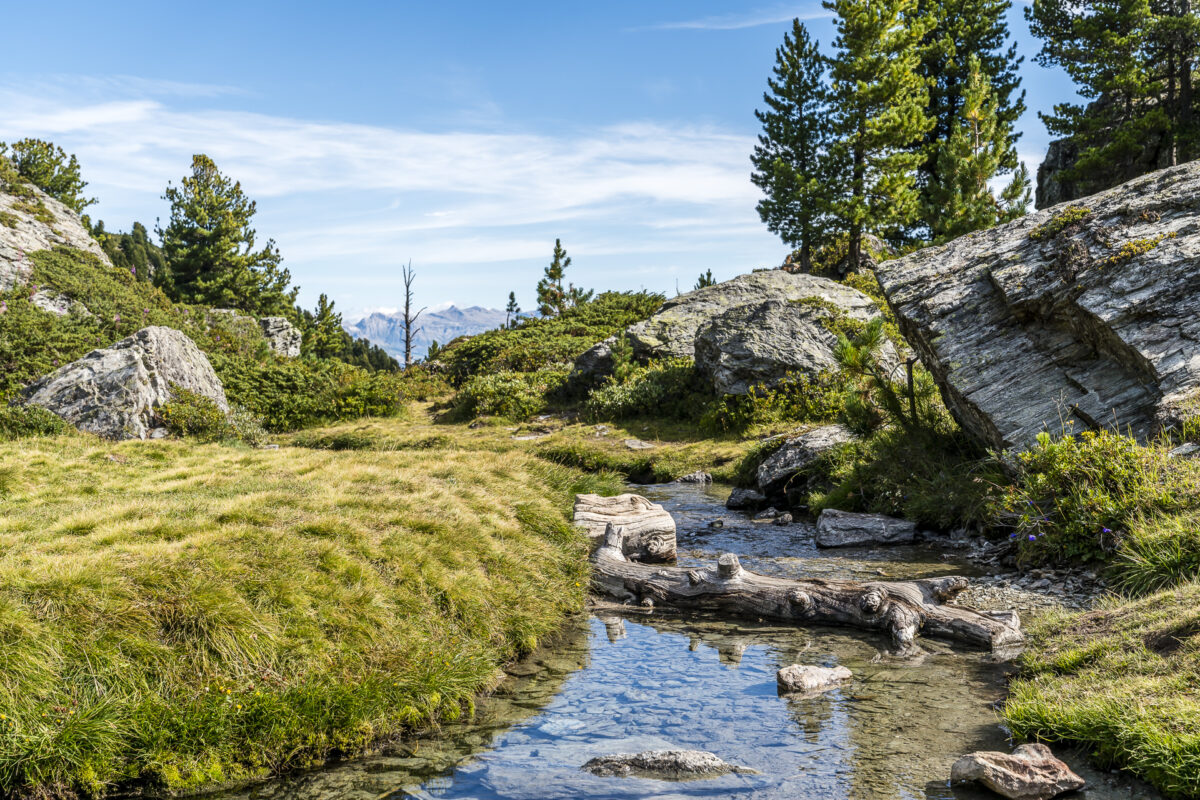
(387,330)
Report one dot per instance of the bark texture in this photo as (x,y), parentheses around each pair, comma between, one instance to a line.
(649,528)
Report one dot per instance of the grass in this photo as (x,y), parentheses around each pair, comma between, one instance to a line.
(177,615)
(1122,679)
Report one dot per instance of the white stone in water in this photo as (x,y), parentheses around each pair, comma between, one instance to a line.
(809,679)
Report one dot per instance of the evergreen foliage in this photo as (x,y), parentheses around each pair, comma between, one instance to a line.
(878,103)
(789,161)
(49,168)
(512,311)
(964,30)
(134,251)
(209,246)
(958,199)
(1135,60)
(706,279)
(323,335)
(553,297)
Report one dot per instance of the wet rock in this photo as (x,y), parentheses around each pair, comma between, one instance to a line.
(741,499)
(783,519)
(846,529)
(798,454)
(1085,314)
(811,680)
(696,477)
(1031,772)
(766,514)
(649,529)
(117,392)
(676,765)
(764,343)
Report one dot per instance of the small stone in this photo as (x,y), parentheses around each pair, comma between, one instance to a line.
(783,519)
(696,477)
(677,765)
(638,444)
(740,499)
(1031,772)
(810,680)
(1188,450)
(769,513)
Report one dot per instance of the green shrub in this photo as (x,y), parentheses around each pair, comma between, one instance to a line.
(662,389)
(540,342)
(18,422)
(797,398)
(1076,496)
(199,417)
(512,395)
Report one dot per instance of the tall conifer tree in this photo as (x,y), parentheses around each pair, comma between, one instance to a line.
(553,296)
(958,198)
(789,158)
(877,113)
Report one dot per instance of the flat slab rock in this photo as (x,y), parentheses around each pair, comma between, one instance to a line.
(1031,772)
(116,392)
(797,454)
(804,679)
(649,528)
(1087,313)
(849,529)
(670,765)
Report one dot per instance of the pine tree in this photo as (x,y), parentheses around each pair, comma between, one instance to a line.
(788,160)
(324,337)
(49,168)
(706,279)
(964,29)
(958,198)
(553,297)
(208,246)
(1134,59)
(512,311)
(877,113)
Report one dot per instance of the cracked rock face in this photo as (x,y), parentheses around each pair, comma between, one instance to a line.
(1030,773)
(116,392)
(30,234)
(282,336)
(1083,315)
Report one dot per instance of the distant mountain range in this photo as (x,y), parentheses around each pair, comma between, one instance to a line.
(387,330)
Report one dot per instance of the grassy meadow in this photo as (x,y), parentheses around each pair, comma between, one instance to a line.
(177,615)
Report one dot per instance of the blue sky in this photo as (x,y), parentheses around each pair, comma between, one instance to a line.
(465,136)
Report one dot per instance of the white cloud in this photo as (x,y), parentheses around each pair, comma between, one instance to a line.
(734,22)
(348,203)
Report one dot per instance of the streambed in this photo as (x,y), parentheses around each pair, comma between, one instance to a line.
(625,681)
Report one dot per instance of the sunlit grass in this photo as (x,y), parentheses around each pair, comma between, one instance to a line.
(182,615)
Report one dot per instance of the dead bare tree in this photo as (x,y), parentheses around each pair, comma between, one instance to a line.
(410,319)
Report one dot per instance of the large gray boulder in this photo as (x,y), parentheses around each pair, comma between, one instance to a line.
(798,454)
(837,528)
(116,392)
(671,331)
(31,220)
(763,343)
(1031,772)
(1085,314)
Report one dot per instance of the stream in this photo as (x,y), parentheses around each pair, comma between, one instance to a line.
(625,681)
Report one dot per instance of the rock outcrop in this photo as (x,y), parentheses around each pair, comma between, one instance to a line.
(798,454)
(1030,773)
(763,343)
(282,336)
(848,529)
(671,332)
(1085,314)
(116,392)
(32,220)
(677,765)
(808,680)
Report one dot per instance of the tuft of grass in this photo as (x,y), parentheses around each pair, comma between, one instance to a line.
(1121,679)
(1068,218)
(177,615)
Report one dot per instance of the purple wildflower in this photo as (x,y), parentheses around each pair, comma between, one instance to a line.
(1107,530)
(1032,538)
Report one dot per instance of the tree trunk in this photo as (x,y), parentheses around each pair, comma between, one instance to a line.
(900,609)
(649,530)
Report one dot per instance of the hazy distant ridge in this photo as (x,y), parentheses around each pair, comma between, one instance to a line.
(387,330)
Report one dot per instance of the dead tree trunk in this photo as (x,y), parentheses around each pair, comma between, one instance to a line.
(900,609)
(649,530)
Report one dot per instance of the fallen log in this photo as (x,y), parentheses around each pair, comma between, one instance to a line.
(902,609)
(649,528)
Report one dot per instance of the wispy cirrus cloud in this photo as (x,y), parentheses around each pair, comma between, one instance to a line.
(735,22)
(348,202)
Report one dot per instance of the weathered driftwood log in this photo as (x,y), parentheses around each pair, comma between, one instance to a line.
(649,528)
(900,609)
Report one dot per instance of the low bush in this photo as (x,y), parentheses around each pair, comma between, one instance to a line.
(1076,497)
(663,389)
(512,395)
(539,342)
(797,398)
(19,422)
(199,417)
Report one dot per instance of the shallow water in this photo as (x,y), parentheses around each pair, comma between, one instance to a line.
(627,682)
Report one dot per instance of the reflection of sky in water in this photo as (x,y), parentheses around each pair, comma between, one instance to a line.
(713,691)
